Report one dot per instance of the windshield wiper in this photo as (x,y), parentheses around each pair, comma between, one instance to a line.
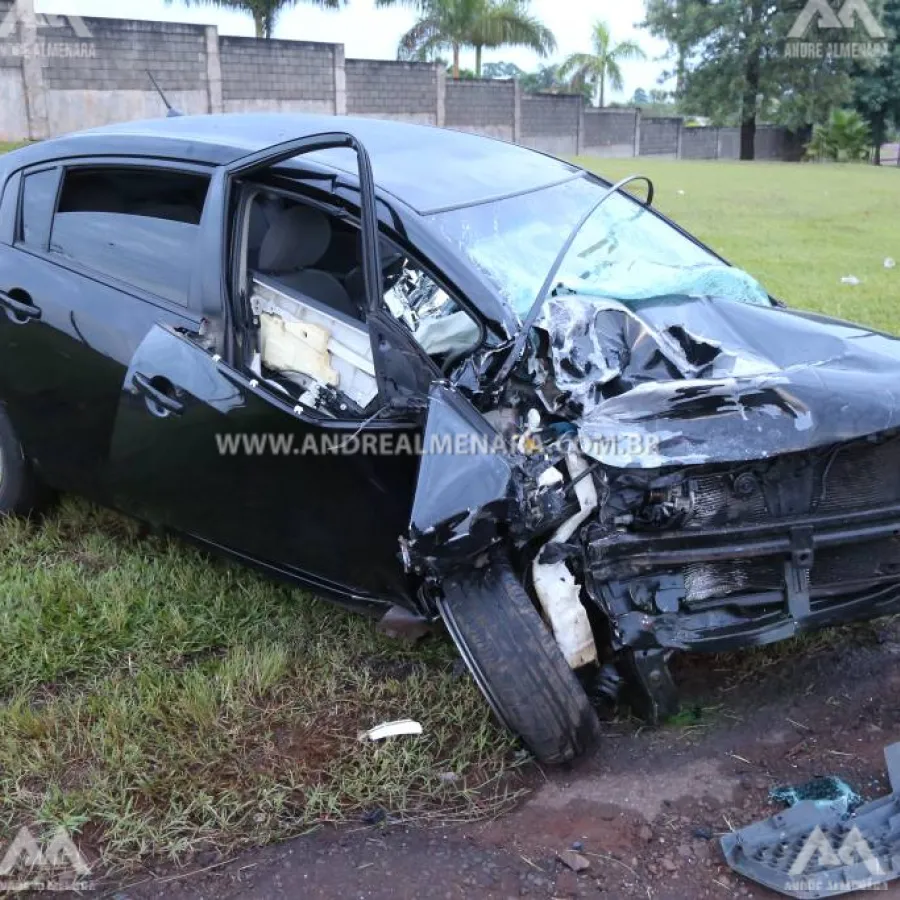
(518,346)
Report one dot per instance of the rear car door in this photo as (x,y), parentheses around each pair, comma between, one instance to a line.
(206,447)
(101,251)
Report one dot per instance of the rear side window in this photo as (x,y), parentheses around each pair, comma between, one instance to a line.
(38,202)
(139,226)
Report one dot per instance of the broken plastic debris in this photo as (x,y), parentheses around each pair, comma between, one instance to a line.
(826,790)
(890,263)
(819,850)
(391,729)
(851,280)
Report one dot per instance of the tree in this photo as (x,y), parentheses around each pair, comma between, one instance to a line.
(503,70)
(844,138)
(734,64)
(547,80)
(596,68)
(478,24)
(264,12)
(640,98)
(876,83)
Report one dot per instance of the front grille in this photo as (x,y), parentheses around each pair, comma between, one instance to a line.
(861,476)
(715,504)
(855,476)
(856,562)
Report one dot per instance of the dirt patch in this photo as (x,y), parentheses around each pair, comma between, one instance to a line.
(646,812)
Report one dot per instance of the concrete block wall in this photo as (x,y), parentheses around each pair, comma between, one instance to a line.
(482,107)
(392,90)
(700,143)
(14,118)
(13,109)
(610,132)
(552,123)
(77,73)
(103,78)
(729,143)
(660,137)
(283,76)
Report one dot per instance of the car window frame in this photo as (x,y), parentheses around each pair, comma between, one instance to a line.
(9,208)
(341,208)
(335,205)
(192,308)
(19,218)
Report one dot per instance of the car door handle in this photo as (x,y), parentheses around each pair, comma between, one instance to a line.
(22,310)
(161,393)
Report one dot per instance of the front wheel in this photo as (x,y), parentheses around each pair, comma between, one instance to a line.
(517,663)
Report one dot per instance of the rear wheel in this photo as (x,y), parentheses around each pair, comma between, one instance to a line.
(517,663)
(18,489)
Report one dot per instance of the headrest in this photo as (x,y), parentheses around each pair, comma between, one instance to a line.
(297,239)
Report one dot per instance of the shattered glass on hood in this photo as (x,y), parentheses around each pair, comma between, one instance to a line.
(624,250)
(699,380)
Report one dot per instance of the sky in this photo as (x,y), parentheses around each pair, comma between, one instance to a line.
(372,33)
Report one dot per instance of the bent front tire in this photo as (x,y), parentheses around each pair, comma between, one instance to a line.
(517,664)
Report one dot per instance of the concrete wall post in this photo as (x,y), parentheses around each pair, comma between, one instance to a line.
(214,70)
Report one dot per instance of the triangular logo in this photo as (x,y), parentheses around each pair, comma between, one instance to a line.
(859,9)
(827,18)
(22,854)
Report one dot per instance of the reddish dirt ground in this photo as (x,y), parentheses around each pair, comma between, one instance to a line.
(646,811)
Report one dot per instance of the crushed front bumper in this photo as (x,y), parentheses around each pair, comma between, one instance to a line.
(728,587)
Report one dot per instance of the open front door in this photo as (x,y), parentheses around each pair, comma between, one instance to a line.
(203,446)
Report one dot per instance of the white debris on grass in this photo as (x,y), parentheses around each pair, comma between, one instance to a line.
(391,729)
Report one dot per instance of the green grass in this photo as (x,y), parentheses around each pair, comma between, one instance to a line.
(6,146)
(162,702)
(797,228)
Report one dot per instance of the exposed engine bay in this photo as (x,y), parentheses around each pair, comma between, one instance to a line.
(688,474)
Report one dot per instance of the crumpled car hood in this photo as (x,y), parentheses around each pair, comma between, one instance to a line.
(684,380)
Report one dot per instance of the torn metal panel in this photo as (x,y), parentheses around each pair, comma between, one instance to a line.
(464,490)
(697,380)
(817,849)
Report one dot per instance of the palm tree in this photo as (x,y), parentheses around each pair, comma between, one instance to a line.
(264,12)
(508,23)
(471,23)
(603,64)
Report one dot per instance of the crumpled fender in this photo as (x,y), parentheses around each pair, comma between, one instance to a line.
(462,493)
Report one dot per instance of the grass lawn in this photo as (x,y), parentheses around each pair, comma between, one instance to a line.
(6,146)
(159,701)
(799,229)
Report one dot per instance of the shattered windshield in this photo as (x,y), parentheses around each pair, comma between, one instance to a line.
(623,252)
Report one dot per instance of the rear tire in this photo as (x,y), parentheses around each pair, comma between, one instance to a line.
(517,663)
(18,488)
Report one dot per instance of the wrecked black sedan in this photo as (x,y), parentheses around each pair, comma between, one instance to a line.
(414,368)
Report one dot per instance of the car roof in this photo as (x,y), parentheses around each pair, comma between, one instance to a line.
(425,167)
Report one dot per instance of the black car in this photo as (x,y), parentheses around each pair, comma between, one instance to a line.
(415,368)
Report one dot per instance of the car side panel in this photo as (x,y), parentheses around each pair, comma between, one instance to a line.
(61,374)
(234,465)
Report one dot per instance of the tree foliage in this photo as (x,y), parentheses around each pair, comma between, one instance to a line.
(455,24)
(876,83)
(264,12)
(845,137)
(735,68)
(602,65)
